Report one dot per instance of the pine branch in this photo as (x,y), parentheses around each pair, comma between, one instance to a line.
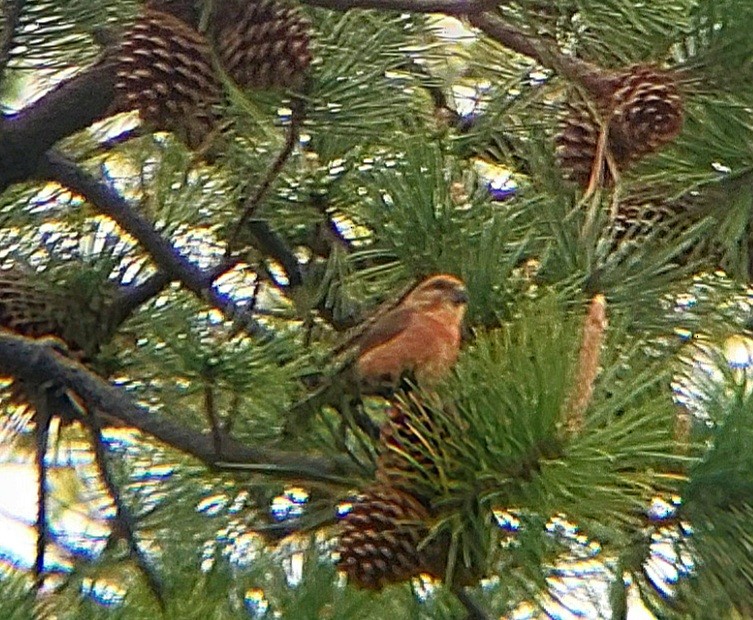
(36,363)
(448,7)
(132,297)
(543,51)
(109,202)
(124,521)
(11,15)
(70,107)
(475,611)
(43,418)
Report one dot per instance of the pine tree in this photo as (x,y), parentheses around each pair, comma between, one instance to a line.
(205,202)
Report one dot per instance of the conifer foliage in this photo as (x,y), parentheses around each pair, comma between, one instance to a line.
(206,204)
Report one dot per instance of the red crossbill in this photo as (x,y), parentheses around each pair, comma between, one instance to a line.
(420,336)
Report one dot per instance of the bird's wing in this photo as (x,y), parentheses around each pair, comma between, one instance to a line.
(385,328)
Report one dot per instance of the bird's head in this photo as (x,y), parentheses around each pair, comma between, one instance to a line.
(442,292)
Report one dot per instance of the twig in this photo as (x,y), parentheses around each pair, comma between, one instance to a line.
(11,16)
(325,394)
(545,52)
(253,201)
(596,178)
(114,141)
(132,297)
(449,7)
(509,36)
(475,611)
(36,362)
(270,244)
(109,202)
(214,422)
(42,418)
(124,521)
(603,162)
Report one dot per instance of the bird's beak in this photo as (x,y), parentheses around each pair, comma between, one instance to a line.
(460,296)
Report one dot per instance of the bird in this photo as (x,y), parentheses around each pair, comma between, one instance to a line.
(419,338)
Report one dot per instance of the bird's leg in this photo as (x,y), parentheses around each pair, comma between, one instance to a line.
(361,419)
(407,382)
(358,417)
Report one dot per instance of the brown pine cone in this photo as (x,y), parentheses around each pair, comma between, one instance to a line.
(384,541)
(576,144)
(27,309)
(647,111)
(643,111)
(639,218)
(407,441)
(164,70)
(262,44)
(380,538)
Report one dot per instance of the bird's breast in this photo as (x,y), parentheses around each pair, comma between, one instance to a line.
(427,347)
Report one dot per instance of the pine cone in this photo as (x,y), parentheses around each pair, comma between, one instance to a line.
(643,111)
(638,218)
(164,70)
(31,309)
(70,311)
(380,540)
(408,439)
(652,212)
(576,144)
(70,308)
(25,308)
(647,111)
(262,44)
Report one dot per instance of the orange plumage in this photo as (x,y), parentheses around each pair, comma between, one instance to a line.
(420,336)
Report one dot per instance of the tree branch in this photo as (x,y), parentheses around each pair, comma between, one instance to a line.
(70,107)
(270,244)
(131,297)
(37,363)
(109,202)
(124,522)
(449,7)
(545,52)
